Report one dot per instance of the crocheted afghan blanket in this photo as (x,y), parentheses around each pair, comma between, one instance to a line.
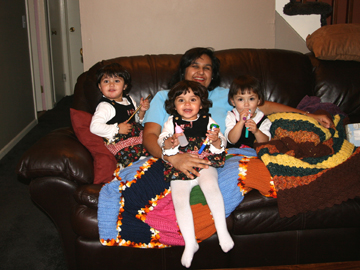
(311,167)
(136,208)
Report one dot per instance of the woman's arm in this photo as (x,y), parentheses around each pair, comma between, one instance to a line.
(273,107)
(151,134)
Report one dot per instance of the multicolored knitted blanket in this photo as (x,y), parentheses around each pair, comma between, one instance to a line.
(311,167)
(136,208)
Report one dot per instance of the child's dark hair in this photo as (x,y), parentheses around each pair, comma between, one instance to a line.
(114,70)
(189,57)
(243,84)
(184,87)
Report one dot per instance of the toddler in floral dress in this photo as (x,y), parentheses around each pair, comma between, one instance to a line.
(123,137)
(188,106)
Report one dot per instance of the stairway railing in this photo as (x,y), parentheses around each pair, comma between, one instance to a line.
(344,11)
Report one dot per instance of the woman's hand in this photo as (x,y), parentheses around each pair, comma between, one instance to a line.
(323,119)
(186,163)
(183,162)
(151,134)
(124,127)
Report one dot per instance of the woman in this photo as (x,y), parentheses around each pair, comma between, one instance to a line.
(200,65)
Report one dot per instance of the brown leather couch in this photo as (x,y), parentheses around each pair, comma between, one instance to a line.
(61,173)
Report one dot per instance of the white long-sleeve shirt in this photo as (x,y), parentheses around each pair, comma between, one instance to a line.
(233,116)
(168,130)
(105,112)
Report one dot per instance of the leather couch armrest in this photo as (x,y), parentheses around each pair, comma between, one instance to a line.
(59,154)
(88,195)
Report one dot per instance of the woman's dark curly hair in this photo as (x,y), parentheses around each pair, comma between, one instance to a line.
(114,70)
(190,57)
(184,87)
(243,84)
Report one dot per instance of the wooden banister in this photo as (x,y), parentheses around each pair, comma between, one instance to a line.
(344,11)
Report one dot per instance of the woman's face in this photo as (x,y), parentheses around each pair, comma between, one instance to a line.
(200,71)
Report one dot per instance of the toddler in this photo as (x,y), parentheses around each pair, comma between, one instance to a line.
(123,137)
(246,122)
(188,106)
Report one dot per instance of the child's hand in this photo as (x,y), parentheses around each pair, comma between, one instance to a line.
(145,104)
(124,127)
(251,125)
(213,135)
(175,139)
(244,115)
(171,142)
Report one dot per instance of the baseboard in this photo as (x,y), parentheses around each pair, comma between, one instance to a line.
(6,149)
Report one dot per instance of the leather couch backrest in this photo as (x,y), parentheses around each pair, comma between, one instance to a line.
(338,82)
(286,77)
(149,74)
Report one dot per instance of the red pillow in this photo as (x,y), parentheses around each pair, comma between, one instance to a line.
(104,161)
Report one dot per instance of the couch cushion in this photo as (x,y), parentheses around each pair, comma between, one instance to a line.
(338,82)
(104,161)
(258,214)
(336,42)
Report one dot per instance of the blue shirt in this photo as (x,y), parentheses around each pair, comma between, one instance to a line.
(218,111)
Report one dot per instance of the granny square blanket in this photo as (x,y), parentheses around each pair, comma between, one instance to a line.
(136,208)
(305,166)
(312,167)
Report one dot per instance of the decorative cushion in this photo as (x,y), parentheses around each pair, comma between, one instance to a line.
(336,42)
(104,161)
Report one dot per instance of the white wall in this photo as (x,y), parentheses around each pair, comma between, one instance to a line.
(112,28)
(302,24)
(291,31)
(287,38)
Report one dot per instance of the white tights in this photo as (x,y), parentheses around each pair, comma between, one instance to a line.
(180,192)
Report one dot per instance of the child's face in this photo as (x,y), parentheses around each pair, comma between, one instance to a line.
(247,101)
(112,87)
(188,105)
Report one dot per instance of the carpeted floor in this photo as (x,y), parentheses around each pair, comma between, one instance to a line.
(28,238)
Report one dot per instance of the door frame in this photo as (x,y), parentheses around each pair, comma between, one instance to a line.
(43,90)
(37,13)
(63,49)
